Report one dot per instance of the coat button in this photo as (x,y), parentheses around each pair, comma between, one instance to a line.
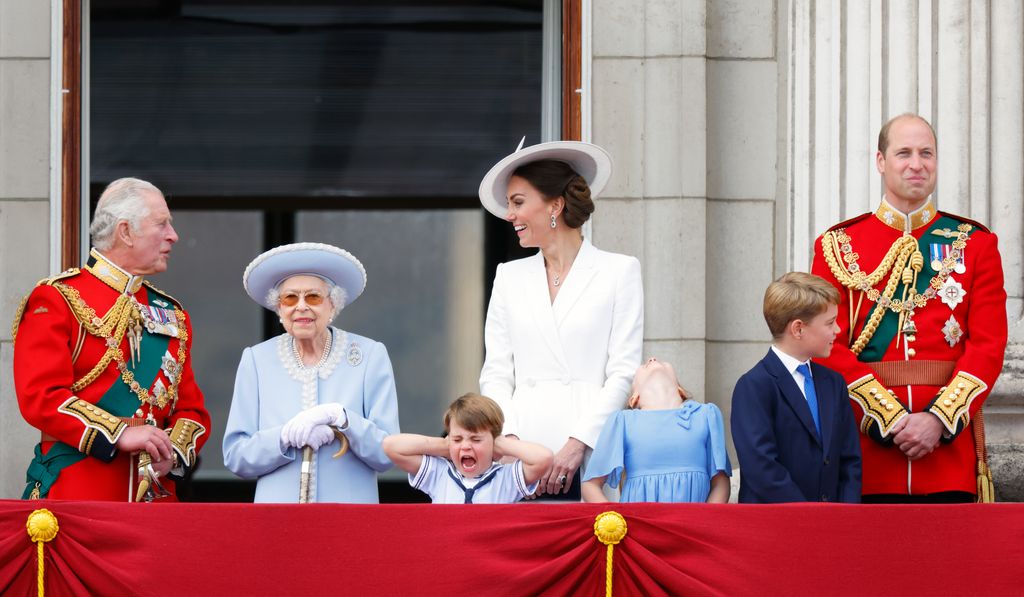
(826,462)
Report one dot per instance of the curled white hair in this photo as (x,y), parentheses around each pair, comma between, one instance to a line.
(121,201)
(336,294)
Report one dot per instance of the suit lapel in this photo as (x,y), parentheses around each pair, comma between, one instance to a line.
(791,393)
(538,301)
(582,271)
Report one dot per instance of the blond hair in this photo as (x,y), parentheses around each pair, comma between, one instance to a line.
(796,295)
(475,412)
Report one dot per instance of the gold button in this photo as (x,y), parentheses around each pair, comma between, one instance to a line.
(883,402)
(873,391)
(911,352)
(947,402)
(961,385)
(888,407)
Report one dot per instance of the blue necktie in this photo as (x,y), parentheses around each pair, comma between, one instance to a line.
(812,397)
(469,492)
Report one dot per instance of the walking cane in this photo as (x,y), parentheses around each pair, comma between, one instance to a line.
(307,465)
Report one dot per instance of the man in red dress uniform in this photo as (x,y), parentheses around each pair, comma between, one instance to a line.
(923,323)
(101,363)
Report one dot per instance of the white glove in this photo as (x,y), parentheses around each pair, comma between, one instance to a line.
(321,436)
(296,432)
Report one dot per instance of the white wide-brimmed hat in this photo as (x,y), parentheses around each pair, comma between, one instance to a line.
(304,259)
(589,161)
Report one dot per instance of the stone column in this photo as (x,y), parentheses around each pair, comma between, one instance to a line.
(959,64)
(24,203)
(649,109)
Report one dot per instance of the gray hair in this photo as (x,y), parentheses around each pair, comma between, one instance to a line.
(336,294)
(121,201)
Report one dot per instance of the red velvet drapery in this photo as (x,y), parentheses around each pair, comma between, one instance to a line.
(523,549)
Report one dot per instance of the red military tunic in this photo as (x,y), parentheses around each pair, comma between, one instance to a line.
(62,336)
(945,366)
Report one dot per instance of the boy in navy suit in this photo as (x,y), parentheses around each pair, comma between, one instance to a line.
(792,424)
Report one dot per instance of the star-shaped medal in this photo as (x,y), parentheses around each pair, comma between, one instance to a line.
(952,331)
(952,292)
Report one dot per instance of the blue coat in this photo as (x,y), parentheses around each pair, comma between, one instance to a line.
(781,456)
(270,389)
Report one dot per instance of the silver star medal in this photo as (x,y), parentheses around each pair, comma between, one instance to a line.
(952,331)
(952,292)
(355,355)
(170,366)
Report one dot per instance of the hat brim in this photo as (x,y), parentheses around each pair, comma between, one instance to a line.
(271,268)
(589,161)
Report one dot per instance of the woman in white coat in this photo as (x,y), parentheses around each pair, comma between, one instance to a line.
(564,329)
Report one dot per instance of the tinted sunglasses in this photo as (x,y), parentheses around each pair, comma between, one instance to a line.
(290,299)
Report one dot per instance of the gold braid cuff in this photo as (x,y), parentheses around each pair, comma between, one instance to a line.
(183,437)
(953,402)
(880,405)
(95,419)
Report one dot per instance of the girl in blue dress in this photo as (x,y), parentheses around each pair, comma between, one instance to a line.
(666,448)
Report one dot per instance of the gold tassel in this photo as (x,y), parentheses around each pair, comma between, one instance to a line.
(986,489)
(610,528)
(42,527)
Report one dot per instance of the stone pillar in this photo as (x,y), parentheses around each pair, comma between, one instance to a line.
(649,109)
(24,202)
(959,64)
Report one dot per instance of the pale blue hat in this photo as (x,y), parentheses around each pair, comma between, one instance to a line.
(335,265)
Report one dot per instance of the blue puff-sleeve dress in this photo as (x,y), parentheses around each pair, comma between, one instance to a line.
(667,455)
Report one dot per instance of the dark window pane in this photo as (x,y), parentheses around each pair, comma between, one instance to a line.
(313,99)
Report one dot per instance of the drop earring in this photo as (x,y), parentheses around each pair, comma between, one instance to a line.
(553,223)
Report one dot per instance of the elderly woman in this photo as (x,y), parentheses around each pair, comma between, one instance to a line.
(315,386)
(564,328)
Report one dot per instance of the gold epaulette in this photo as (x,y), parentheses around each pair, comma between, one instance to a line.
(879,404)
(846,223)
(974,223)
(953,402)
(20,311)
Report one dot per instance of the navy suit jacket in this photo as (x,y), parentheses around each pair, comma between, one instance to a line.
(781,456)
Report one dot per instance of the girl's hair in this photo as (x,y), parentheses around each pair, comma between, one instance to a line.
(475,412)
(556,179)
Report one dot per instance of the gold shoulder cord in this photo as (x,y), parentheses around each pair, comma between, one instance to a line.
(112,328)
(904,250)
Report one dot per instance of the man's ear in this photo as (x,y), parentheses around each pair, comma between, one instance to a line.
(123,232)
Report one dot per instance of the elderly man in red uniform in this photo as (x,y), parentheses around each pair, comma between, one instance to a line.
(101,363)
(923,323)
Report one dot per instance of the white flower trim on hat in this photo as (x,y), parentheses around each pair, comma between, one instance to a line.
(356,272)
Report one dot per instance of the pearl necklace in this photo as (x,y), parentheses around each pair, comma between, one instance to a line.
(323,356)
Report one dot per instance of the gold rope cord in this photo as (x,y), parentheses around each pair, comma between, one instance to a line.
(610,529)
(112,328)
(41,527)
(903,250)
